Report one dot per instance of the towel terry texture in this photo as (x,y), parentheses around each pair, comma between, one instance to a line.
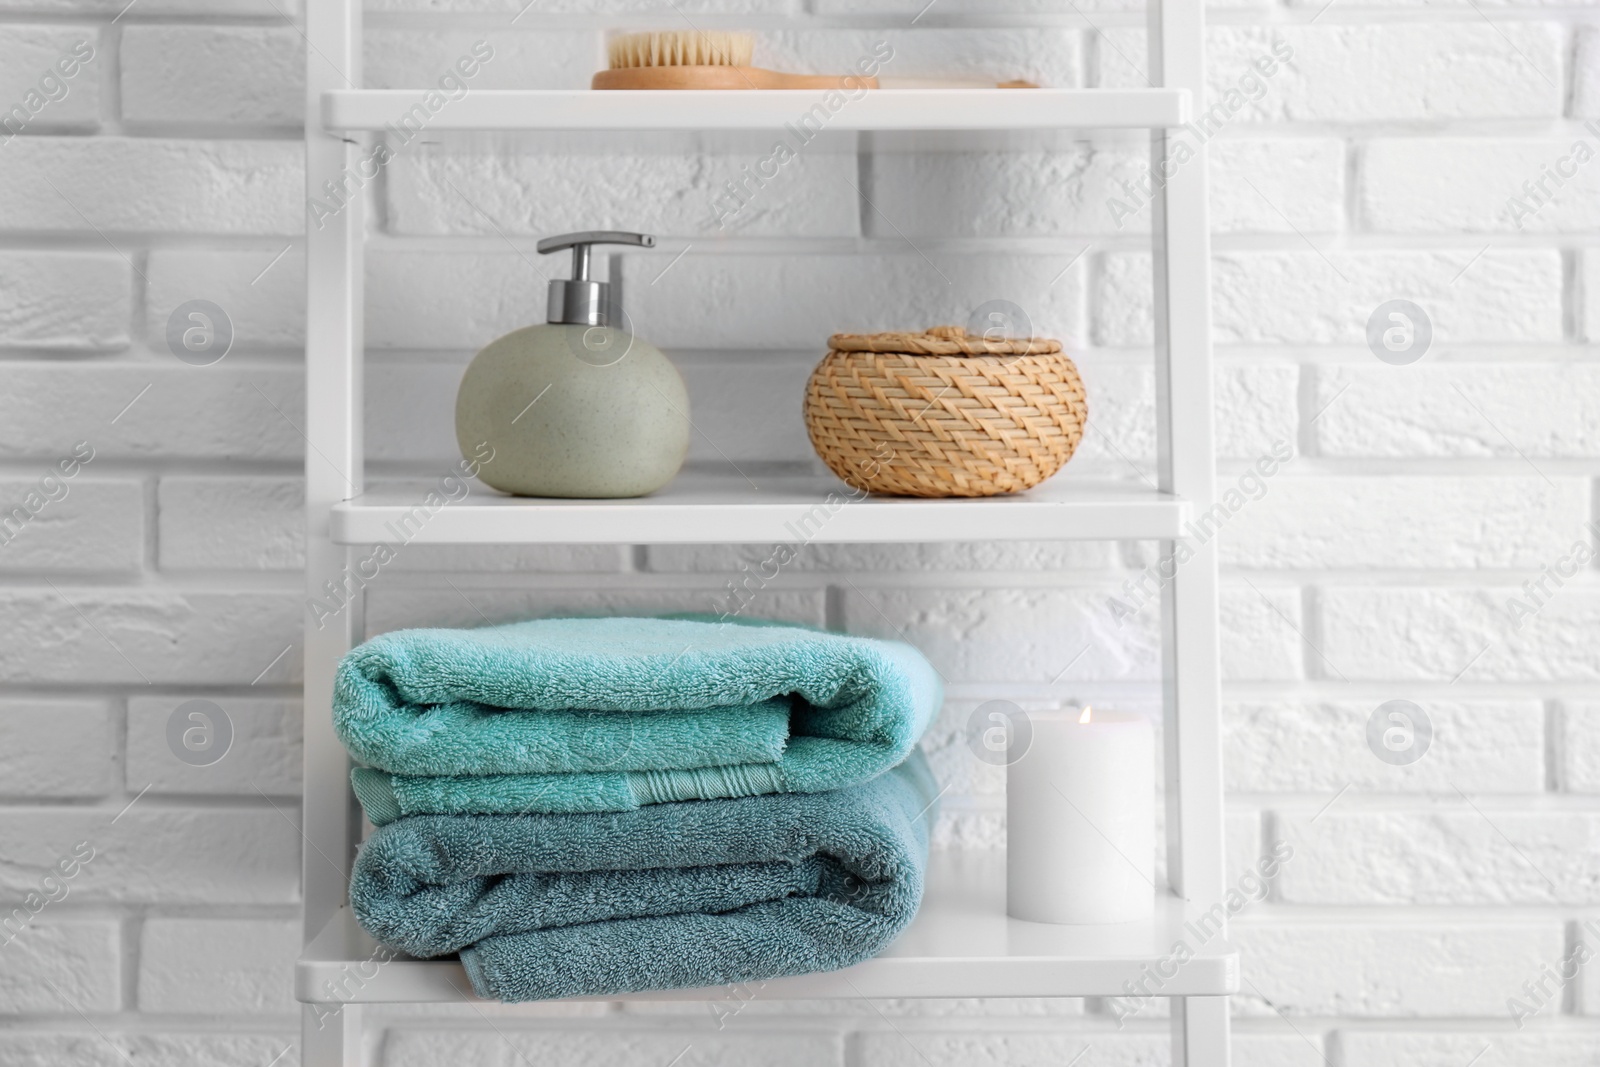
(670,895)
(608,715)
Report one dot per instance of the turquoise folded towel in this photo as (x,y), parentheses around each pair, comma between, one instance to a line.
(574,715)
(675,895)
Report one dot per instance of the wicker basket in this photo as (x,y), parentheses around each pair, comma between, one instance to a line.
(944,414)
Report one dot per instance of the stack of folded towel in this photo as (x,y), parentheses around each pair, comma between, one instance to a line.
(598,806)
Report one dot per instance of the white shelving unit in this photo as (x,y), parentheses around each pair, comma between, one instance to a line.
(962,925)
(961,943)
(762,510)
(883,109)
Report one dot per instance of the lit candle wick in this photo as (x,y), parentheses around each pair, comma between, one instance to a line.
(1085,716)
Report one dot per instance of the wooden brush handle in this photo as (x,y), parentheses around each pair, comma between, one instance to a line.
(724,78)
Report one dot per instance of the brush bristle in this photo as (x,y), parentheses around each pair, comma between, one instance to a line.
(673,48)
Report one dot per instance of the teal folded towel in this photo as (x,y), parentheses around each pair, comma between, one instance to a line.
(574,715)
(676,895)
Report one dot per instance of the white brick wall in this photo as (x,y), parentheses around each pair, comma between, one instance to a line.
(151,185)
(263,758)
(57,748)
(31,53)
(1371,72)
(1412,968)
(1453,522)
(1299,185)
(1378,163)
(1459,857)
(65,301)
(677,194)
(264,295)
(80,957)
(217,966)
(1482,185)
(213,74)
(208,413)
(1422,1049)
(1300,296)
(212,523)
(1050,56)
(1277,746)
(1440,410)
(98,525)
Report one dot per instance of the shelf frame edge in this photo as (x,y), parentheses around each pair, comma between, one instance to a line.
(348,110)
(1186,456)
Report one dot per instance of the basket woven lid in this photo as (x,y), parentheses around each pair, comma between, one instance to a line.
(942,341)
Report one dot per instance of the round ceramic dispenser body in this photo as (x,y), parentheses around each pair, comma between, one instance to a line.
(574,411)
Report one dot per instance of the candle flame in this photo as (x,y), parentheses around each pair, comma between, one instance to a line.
(1085,716)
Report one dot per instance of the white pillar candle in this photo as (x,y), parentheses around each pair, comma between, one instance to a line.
(1080,820)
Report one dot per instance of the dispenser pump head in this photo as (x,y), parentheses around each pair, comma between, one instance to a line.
(578,300)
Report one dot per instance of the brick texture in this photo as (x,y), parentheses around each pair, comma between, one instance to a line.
(217,966)
(1364,970)
(83,524)
(1290,746)
(232,523)
(154,185)
(56,748)
(54,72)
(1388,155)
(65,301)
(1547,185)
(1311,297)
(213,74)
(80,957)
(1369,73)
(262,292)
(262,757)
(154,854)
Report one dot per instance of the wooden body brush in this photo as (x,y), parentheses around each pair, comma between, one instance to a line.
(704,60)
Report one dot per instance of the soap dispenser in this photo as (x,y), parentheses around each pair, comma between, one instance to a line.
(577,407)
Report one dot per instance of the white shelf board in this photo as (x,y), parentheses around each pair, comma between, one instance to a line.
(727,508)
(961,944)
(767,109)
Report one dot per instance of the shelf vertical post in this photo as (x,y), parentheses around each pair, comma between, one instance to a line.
(1187,461)
(335,222)
(332,1038)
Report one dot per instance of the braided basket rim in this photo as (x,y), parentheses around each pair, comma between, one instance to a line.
(943,341)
